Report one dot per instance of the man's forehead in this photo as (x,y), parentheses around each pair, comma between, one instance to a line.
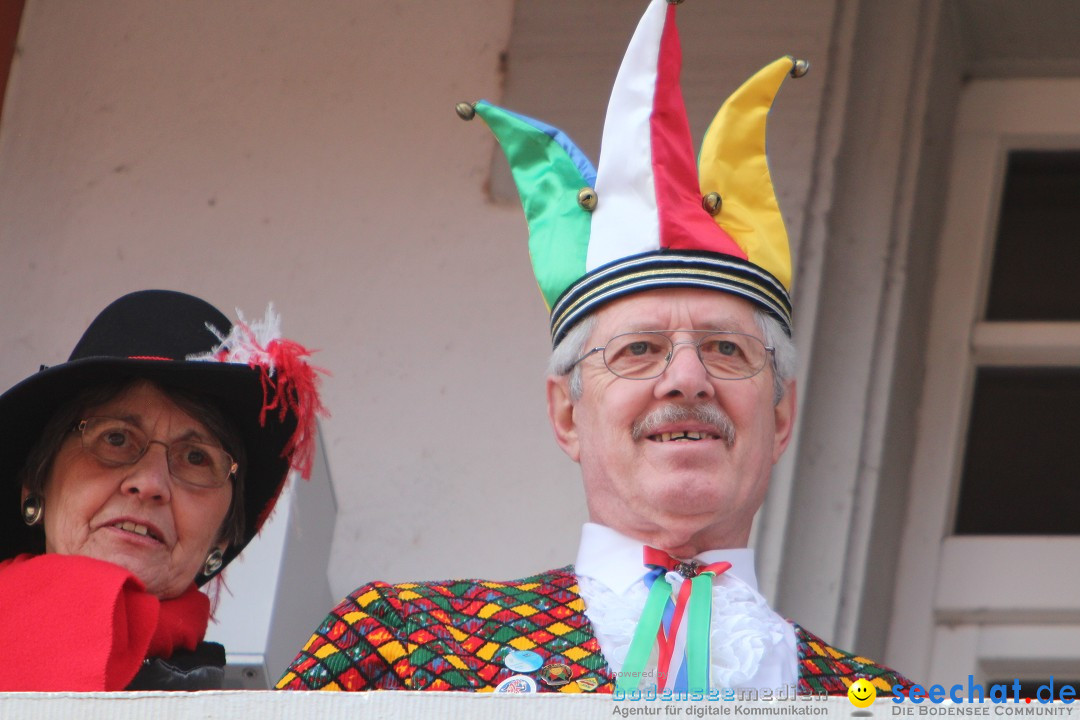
(676,308)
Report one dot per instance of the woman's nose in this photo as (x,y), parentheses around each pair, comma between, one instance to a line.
(150,477)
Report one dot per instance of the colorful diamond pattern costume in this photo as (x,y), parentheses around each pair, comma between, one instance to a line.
(455,635)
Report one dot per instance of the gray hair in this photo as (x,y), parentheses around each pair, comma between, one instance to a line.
(573,346)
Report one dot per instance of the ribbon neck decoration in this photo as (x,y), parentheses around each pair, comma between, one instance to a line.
(661,619)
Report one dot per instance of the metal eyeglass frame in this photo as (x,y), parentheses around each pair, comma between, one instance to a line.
(671,353)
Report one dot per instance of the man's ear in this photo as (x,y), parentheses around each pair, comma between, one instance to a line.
(784,418)
(561,415)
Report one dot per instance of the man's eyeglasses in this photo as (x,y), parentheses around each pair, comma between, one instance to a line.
(645,355)
(117,442)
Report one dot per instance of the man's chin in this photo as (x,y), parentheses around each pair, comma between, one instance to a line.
(691,492)
(686,535)
(691,464)
(688,503)
(674,478)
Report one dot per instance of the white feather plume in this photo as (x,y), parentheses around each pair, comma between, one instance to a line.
(246,343)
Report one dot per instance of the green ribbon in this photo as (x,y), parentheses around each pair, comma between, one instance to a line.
(644,637)
(698,630)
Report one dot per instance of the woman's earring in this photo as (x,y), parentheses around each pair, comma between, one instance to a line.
(33,509)
(213,562)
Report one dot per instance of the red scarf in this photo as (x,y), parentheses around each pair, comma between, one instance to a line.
(74,623)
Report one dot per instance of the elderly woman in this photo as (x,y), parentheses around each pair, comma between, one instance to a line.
(140,468)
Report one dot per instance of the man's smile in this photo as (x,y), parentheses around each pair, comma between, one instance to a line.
(683,436)
(685,423)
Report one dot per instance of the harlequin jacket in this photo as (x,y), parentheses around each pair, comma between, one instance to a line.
(454,635)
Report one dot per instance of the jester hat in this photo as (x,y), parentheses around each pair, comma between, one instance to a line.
(645,219)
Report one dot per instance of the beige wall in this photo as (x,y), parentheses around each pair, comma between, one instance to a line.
(309,154)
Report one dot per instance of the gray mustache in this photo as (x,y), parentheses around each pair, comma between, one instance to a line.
(710,415)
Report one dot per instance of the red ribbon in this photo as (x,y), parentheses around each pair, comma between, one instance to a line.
(660,559)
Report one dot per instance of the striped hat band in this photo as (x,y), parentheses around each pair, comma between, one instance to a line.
(669,269)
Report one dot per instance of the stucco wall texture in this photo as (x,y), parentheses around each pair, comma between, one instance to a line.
(308,154)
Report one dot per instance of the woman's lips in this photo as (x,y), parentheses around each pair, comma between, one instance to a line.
(137,528)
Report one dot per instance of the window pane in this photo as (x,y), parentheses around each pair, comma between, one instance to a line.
(1037,256)
(1021,471)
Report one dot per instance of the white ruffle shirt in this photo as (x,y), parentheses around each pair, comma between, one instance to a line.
(751,646)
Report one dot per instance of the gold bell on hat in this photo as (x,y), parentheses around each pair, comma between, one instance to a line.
(465,111)
(712,203)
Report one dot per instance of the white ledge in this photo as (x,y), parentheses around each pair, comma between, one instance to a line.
(401,705)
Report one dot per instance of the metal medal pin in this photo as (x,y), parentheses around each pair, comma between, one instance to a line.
(587,684)
(523,661)
(556,674)
(516,684)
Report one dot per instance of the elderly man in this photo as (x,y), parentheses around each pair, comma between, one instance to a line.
(671,385)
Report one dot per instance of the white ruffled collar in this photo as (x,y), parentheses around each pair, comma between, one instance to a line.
(751,645)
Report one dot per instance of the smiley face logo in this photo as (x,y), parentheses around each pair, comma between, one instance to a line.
(862,693)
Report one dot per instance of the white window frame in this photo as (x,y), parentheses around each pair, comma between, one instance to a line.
(954,615)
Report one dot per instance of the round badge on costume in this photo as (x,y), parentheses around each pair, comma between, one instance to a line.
(516,684)
(523,661)
(556,674)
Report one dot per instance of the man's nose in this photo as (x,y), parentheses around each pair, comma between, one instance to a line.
(685,375)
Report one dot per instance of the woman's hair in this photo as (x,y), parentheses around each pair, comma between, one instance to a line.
(39,461)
